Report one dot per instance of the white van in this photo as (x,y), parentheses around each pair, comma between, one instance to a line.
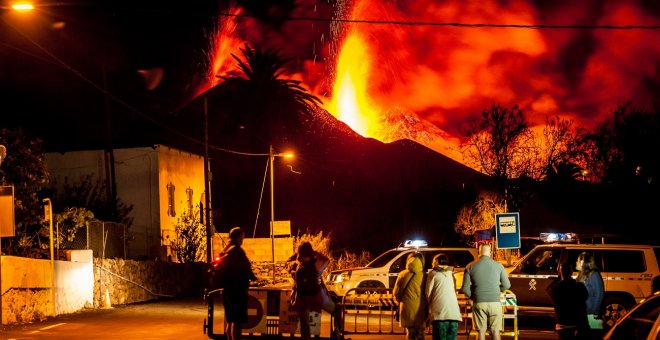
(630,272)
(383,271)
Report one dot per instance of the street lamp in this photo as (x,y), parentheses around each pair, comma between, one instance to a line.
(3,154)
(22,6)
(271,158)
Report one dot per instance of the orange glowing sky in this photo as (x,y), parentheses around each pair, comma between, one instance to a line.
(443,75)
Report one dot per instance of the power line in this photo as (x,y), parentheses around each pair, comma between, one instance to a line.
(448,24)
(118,100)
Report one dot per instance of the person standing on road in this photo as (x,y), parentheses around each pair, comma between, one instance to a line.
(589,275)
(483,281)
(235,293)
(445,314)
(570,300)
(409,294)
(311,294)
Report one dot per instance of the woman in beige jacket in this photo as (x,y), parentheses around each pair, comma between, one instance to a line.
(409,294)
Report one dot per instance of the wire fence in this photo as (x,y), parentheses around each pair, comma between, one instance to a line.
(105,239)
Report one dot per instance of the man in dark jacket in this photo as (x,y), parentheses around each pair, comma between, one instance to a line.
(569,298)
(239,274)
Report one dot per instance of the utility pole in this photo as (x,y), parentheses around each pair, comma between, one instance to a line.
(3,155)
(48,215)
(207,187)
(271,157)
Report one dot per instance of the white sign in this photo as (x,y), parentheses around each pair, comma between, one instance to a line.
(6,211)
(507,225)
(281,228)
(289,320)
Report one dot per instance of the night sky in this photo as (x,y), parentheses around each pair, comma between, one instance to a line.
(85,74)
(57,59)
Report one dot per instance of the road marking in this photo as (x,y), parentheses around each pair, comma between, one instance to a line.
(48,327)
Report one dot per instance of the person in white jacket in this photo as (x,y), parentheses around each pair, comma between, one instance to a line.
(444,312)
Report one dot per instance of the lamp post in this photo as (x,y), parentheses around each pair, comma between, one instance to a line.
(3,154)
(271,158)
(48,214)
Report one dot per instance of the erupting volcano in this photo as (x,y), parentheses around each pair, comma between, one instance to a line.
(419,69)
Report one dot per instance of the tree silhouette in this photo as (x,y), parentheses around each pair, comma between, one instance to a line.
(562,151)
(625,147)
(499,143)
(25,169)
(260,99)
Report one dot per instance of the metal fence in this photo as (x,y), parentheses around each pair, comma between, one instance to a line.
(105,239)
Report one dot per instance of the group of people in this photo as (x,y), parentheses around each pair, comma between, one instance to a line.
(424,297)
(431,297)
(577,301)
(309,291)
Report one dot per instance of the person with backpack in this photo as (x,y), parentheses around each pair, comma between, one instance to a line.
(310,293)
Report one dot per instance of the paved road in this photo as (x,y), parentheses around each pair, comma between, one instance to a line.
(175,319)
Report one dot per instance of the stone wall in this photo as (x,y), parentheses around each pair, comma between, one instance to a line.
(128,281)
(26,305)
(27,294)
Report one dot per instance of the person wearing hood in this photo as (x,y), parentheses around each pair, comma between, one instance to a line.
(409,295)
(444,312)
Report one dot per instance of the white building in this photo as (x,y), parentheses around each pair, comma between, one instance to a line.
(160,182)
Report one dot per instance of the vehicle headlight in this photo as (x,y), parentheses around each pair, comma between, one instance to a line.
(341,277)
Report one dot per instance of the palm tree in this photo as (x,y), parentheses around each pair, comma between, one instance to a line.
(270,107)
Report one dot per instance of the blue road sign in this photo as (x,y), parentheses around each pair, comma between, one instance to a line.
(507,228)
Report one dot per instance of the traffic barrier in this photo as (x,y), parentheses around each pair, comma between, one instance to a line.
(370,311)
(269,314)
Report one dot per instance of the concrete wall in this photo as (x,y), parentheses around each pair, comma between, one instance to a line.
(87,282)
(136,174)
(26,287)
(184,171)
(258,249)
(74,282)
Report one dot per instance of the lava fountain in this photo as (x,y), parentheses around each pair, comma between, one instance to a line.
(350,102)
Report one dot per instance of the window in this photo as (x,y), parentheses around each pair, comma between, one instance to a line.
(171,211)
(572,256)
(624,261)
(189,200)
(543,261)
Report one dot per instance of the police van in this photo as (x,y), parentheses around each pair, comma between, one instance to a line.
(630,273)
(383,270)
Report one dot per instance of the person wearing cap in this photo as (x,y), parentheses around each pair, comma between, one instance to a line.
(483,281)
(235,293)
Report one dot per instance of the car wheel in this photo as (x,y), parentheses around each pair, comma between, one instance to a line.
(615,307)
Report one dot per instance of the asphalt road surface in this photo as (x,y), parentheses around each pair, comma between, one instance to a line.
(173,319)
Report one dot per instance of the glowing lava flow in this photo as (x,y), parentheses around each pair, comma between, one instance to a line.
(223,43)
(350,101)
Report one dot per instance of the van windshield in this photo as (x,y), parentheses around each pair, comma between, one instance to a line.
(383,259)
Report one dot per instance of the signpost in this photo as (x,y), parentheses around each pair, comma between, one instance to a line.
(507,228)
